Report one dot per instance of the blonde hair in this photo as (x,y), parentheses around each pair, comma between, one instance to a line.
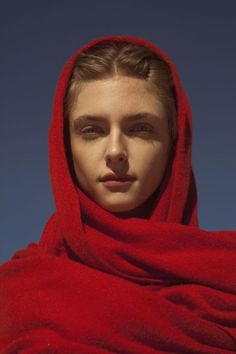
(111,58)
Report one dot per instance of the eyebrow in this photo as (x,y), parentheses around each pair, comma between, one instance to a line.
(128,117)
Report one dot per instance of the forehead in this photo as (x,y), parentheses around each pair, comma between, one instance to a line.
(119,85)
(116,97)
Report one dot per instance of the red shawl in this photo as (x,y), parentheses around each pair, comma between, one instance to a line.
(96,283)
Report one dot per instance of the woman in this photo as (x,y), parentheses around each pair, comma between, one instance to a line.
(122,265)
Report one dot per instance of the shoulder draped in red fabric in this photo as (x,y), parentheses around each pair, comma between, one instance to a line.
(97,283)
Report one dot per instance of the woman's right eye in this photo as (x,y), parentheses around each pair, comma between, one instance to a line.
(90,132)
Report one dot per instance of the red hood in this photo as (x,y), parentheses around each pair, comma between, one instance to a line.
(177,198)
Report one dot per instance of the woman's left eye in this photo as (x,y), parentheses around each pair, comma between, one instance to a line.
(142,128)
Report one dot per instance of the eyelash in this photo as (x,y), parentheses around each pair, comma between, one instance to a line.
(149,130)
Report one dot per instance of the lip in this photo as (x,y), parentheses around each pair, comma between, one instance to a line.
(111,177)
(116,183)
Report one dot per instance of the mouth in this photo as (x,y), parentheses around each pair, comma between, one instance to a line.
(117,182)
(119,178)
(118,185)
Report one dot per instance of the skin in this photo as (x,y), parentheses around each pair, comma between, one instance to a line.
(140,148)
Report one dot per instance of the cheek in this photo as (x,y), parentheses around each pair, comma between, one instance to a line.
(84,161)
(150,165)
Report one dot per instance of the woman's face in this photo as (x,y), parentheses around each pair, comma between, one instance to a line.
(106,138)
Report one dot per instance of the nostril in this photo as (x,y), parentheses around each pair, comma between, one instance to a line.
(119,157)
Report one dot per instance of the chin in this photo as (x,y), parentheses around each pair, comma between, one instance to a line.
(118,208)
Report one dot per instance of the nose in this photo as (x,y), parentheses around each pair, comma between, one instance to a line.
(116,149)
